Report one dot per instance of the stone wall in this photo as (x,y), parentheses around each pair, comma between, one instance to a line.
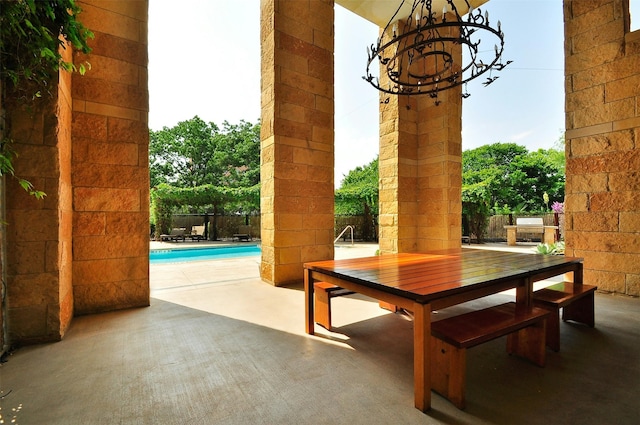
(602,68)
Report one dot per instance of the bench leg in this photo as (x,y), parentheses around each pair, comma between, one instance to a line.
(580,310)
(388,306)
(529,343)
(323,308)
(448,370)
(553,330)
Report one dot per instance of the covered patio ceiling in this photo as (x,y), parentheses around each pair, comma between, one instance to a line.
(380,11)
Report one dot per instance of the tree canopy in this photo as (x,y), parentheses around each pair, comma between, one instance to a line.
(358,193)
(195,153)
(200,166)
(514,178)
(506,178)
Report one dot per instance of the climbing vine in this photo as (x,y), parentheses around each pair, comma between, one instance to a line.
(165,197)
(32,34)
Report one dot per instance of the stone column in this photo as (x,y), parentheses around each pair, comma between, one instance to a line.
(602,63)
(420,171)
(297,136)
(511,235)
(38,234)
(110,172)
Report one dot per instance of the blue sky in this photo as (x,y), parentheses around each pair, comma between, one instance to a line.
(204,59)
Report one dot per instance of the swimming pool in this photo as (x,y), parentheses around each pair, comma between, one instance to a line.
(157,256)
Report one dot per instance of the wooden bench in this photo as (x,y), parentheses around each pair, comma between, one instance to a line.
(323,293)
(451,337)
(575,300)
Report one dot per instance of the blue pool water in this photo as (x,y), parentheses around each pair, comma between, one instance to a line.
(157,256)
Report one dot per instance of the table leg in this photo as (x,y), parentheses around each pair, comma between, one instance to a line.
(577,274)
(421,356)
(308,303)
(524,292)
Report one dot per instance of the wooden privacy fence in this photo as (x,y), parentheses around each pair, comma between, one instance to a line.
(365,229)
(227,225)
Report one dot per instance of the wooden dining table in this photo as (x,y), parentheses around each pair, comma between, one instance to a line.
(425,282)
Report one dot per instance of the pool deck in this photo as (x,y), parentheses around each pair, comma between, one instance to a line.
(203,273)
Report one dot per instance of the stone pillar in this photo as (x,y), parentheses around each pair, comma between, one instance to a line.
(420,171)
(297,136)
(38,234)
(440,172)
(110,175)
(550,234)
(398,164)
(511,235)
(602,63)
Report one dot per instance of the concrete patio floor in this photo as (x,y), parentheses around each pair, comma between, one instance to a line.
(219,346)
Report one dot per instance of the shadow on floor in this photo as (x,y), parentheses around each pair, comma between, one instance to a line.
(236,353)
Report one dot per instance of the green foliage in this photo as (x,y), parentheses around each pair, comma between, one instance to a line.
(6,167)
(164,198)
(358,193)
(491,156)
(31,34)
(195,153)
(203,195)
(556,248)
(203,167)
(504,178)
(476,208)
(515,179)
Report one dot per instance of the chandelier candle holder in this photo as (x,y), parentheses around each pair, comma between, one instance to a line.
(417,53)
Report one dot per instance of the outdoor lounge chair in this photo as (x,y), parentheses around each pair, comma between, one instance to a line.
(244,233)
(175,235)
(197,233)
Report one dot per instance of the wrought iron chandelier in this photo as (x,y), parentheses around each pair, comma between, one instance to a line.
(417,53)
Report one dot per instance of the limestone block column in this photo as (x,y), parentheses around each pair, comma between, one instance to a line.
(38,232)
(440,171)
(297,150)
(420,172)
(550,234)
(398,171)
(110,172)
(602,76)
